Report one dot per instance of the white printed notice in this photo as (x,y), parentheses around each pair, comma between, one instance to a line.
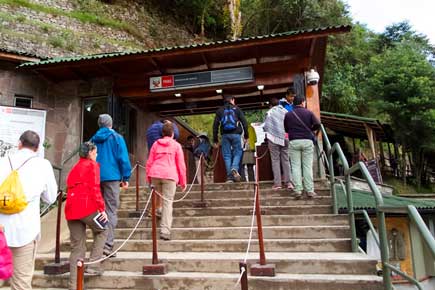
(14,121)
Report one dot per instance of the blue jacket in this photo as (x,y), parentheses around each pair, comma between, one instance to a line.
(112,155)
(283,102)
(154,133)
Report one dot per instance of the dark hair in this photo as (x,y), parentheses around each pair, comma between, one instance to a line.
(298,100)
(168,129)
(30,139)
(85,148)
(190,137)
(228,98)
(291,90)
(274,101)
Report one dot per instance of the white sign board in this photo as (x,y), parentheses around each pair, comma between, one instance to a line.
(14,121)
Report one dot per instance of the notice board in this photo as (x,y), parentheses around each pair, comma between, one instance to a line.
(14,121)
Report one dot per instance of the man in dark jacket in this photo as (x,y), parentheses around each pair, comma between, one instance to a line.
(299,124)
(154,132)
(232,124)
(115,169)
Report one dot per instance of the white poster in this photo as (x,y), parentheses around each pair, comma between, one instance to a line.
(14,121)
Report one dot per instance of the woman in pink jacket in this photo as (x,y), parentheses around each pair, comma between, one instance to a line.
(165,169)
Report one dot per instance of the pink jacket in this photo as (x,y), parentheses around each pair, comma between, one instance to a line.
(166,161)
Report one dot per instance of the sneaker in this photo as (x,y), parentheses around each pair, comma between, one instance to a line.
(276,187)
(311,194)
(229,181)
(298,195)
(290,186)
(236,175)
(165,237)
(93,272)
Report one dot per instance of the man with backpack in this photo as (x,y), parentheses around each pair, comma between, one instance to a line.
(232,124)
(34,179)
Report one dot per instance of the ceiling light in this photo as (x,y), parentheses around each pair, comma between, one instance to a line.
(260,87)
(177,95)
(219,91)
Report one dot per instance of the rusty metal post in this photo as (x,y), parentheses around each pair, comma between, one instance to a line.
(244,279)
(155,268)
(259,226)
(261,269)
(59,216)
(154,226)
(201,161)
(137,186)
(58,267)
(80,274)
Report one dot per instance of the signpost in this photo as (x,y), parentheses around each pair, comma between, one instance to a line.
(201,79)
(14,121)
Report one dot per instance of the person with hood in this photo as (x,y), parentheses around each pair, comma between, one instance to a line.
(84,203)
(165,169)
(232,124)
(115,170)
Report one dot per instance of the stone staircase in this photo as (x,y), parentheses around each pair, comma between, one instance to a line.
(309,245)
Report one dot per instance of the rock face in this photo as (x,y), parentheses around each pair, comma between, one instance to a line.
(59,28)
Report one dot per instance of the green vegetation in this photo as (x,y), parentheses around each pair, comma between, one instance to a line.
(83,16)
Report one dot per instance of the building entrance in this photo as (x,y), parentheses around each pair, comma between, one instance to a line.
(91,109)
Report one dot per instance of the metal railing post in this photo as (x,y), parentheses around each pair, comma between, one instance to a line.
(59,216)
(244,279)
(386,271)
(137,186)
(154,226)
(351,213)
(332,182)
(201,161)
(80,274)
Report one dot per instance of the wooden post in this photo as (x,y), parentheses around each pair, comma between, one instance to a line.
(154,226)
(80,274)
(137,186)
(155,268)
(57,267)
(244,280)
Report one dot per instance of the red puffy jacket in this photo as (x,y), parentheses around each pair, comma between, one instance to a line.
(83,193)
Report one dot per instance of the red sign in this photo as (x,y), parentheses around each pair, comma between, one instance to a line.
(167,81)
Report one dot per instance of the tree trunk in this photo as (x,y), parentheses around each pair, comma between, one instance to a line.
(203,21)
(404,165)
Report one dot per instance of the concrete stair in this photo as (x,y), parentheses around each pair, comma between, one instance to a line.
(309,245)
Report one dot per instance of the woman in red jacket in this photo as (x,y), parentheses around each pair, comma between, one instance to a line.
(165,169)
(84,202)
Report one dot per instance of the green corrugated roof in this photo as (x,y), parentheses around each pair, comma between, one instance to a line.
(352,117)
(125,53)
(366,200)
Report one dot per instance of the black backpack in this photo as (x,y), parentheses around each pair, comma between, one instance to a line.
(229,119)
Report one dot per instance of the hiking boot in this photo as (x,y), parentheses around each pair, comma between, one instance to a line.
(298,195)
(311,194)
(165,237)
(93,272)
(236,175)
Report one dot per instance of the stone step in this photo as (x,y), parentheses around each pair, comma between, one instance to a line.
(233,245)
(269,232)
(228,202)
(244,210)
(296,263)
(214,281)
(243,221)
(267,192)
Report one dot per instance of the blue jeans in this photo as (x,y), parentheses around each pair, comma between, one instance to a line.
(231,152)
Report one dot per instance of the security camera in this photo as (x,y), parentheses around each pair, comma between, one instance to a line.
(312,77)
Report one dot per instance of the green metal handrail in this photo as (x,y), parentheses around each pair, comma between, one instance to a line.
(380,211)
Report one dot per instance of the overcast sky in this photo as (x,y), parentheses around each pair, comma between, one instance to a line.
(377,14)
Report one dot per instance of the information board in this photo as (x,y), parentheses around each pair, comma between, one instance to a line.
(14,121)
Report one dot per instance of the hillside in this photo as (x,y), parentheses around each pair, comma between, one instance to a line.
(52,28)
